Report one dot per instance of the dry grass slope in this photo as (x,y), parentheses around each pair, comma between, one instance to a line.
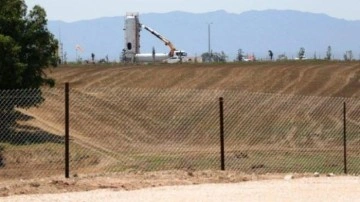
(317,78)
(101,121)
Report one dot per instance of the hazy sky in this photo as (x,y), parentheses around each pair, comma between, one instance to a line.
(73,10)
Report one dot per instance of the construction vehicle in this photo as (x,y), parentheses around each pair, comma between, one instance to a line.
(174,54)
(131,51)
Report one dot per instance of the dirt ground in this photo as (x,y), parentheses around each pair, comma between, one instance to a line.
(169,186)
(124,181)
(311,79)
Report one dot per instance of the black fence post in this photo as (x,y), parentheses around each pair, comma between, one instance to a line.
(345,141)
(67,138)
(222,144)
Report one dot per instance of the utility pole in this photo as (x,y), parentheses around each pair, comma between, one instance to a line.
(209,41)
(60,50)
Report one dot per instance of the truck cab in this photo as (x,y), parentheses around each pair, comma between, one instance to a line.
(179,56)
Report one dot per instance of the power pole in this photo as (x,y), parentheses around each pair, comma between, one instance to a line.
(209,41)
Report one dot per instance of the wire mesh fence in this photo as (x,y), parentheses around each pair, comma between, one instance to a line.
(31,142)
(123,129)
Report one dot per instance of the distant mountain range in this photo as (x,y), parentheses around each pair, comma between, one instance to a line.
(255,32)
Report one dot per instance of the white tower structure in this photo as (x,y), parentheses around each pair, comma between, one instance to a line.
(132,35)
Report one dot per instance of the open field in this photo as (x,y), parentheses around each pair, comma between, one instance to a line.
(159,117)
(315,78)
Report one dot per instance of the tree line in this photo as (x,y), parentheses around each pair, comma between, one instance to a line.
(301,55)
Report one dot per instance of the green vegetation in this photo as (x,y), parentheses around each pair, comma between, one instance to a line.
(26,49)
(26,46)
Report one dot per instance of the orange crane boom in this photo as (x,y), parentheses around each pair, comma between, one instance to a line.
(162,38)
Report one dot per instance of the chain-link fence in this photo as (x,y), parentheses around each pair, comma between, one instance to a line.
(117,129)
(31,138)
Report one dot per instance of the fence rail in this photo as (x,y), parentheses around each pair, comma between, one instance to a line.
(120,129)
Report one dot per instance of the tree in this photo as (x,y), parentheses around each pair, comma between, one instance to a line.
(301,53)
(220,57)
(206,57)
(214,57)
(240,55)
(26,49)
(26,46)
(328,53)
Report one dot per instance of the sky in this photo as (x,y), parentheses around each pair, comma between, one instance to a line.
(75,10)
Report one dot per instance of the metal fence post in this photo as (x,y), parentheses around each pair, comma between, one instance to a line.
(67,117)
(222,144)
(345,141)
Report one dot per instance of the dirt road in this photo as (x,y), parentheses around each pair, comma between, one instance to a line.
(302,189)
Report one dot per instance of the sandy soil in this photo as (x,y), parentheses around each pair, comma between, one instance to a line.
(179,185)
(344,188)
(124,181)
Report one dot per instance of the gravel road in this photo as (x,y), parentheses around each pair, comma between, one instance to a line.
(303,189)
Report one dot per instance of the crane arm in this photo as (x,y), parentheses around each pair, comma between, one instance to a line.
(162,38)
